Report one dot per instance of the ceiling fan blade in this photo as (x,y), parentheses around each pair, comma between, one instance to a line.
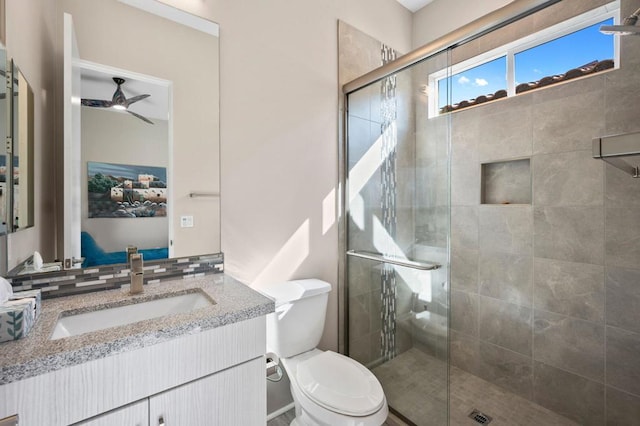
(145,119)
(99,103)
(136,99)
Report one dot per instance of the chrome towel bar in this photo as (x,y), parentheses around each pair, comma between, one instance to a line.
(379,257)
(203,194)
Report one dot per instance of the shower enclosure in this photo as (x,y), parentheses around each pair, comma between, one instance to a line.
(490,262)
(397,202)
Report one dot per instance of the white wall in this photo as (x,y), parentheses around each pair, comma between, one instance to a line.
(30,38)
(443,16)
(279,131)
(120,138)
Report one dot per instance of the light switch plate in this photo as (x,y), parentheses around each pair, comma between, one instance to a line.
(186,221)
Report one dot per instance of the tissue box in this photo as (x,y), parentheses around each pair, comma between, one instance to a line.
(19,314)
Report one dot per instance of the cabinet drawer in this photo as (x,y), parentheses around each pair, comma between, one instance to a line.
(136,414)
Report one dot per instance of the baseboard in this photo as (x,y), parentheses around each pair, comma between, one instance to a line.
(393,420)
(280,411)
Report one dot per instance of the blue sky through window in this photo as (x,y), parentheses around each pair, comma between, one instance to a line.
(481,80)
(562,54)
(553,57)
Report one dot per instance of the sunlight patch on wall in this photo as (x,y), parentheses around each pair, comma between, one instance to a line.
(361,172)
(328,211)
(288,259)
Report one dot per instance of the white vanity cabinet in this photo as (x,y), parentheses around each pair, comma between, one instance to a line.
(205,378)
(230,397)
(136,414)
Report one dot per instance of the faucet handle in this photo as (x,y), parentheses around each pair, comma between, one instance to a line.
(137,273)
(136,263)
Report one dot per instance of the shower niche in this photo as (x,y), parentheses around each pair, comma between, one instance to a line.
(506,182)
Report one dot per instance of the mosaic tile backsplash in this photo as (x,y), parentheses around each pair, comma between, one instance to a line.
(108,277)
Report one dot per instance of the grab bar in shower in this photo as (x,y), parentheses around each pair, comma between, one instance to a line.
(379,257)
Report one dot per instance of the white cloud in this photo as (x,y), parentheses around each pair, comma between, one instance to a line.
(463,80)
(481,82)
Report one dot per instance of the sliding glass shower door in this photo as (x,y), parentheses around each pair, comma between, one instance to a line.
(397,214)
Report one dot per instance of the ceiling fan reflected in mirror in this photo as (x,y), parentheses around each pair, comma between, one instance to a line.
(119,101)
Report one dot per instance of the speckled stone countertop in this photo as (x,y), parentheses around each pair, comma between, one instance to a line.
(37,354)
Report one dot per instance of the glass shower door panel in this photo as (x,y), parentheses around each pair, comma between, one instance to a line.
(397,241)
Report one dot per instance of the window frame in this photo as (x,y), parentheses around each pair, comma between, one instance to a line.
(510,50)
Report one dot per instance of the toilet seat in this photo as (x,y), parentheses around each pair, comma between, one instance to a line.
(340,384)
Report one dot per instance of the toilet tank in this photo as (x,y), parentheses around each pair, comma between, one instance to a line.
(297,324)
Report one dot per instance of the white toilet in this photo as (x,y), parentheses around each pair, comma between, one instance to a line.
(328,388)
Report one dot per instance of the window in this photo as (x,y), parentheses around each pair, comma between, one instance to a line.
(571,49)
(474,83)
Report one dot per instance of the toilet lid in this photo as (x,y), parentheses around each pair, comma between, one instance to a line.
(340,384)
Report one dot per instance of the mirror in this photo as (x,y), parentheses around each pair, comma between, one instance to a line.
(22,138)
(129,182)
(5,199)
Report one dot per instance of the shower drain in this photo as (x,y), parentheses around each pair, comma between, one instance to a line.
(480,417)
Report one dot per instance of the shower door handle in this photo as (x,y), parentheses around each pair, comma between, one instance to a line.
(408,263)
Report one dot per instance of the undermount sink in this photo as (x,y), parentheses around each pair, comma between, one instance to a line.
(100,319)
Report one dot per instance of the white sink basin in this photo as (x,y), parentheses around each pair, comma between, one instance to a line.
(86,322)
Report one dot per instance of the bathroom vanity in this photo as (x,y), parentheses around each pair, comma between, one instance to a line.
(201,366)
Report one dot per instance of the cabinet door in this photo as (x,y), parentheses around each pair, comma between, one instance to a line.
(136,414)
(236,396)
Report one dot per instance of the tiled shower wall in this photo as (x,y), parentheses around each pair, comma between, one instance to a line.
(358,54)
(546,296)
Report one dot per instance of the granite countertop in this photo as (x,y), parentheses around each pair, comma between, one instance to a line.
(37,354)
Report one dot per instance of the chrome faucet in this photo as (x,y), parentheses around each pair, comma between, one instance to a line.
(137,274)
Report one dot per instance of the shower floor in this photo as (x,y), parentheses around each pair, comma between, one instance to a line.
(415,385)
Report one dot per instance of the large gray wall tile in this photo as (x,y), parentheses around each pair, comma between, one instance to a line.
(623,298)
(568,343)
(573,289)
(465,183)
(359,315)
(567,179)
(464,227)
(574,234)
(465,352)
(464,269)
(506,229)
(569,395)
(622,408)
(464,312)
(623,360)
(507,277)
(464,137)
(562,11)
(622,237)
(358,52)
(621,189)
(506,368)
(569,116)
(506,134)
(505,324)
(360,349)
(359,139)
(621,95)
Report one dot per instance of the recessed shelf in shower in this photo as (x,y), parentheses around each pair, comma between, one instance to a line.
(506,182)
